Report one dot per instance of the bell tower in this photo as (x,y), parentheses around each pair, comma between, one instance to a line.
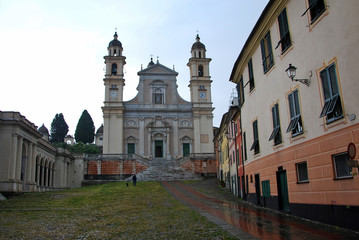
(200,88)
(113,104)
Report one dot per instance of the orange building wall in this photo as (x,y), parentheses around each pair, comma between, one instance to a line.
(322,188)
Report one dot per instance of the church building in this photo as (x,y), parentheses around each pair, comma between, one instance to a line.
(158,123)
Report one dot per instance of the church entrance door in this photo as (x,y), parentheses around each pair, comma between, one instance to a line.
(158,148)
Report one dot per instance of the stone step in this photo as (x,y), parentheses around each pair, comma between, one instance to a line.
(165,173)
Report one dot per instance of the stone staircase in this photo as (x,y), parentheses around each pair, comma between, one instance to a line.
(165,170)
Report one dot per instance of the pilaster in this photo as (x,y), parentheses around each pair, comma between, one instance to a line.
(18,159)
(13,158)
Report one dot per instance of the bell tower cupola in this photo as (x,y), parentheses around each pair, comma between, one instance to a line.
(115,46)
(198,49)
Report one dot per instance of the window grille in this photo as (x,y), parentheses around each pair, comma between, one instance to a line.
(342,170)
(302,172)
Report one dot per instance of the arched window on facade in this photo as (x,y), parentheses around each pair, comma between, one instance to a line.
(114,69)
(199,53)
(200,71)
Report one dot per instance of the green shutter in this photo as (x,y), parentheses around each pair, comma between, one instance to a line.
(130,148)
(266,188)
(186,149)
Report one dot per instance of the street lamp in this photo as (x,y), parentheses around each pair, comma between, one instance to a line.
(291,71)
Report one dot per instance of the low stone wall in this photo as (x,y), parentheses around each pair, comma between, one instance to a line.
(107,168)
(205,167)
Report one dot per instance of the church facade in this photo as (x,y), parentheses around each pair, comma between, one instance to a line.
(158,123)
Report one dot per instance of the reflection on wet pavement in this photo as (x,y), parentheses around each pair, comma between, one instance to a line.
(254,223)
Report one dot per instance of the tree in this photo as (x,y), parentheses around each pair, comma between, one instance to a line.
(85,130)
(59,129)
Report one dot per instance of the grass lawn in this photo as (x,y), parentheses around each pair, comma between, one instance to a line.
(109,211)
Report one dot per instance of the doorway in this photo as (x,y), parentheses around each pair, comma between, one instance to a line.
(258,189)
(283,198)
(158,148)
(185,149)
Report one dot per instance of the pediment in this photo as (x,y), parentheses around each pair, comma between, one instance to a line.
(157,69)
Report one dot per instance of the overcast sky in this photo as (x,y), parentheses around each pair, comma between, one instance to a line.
(51,52)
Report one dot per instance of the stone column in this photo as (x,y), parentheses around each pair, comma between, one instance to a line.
(50,175)
(134,167)
(149,143)
(42,180)
(13,158)
(175,137)
(121,168)
(37,180)
(28,166)
(19,158)
(99,167)
(142,137)
(34,154)
(52,178)
(168,140)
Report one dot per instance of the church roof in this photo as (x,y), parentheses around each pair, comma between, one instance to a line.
(115,42)
(198,44)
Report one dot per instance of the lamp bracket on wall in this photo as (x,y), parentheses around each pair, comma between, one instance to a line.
(291,71)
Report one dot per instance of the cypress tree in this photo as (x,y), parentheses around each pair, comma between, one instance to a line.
(59,129)
(85,129)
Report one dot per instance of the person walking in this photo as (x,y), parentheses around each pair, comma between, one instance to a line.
(134,180)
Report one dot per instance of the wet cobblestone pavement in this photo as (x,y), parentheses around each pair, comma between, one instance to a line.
(246,221)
